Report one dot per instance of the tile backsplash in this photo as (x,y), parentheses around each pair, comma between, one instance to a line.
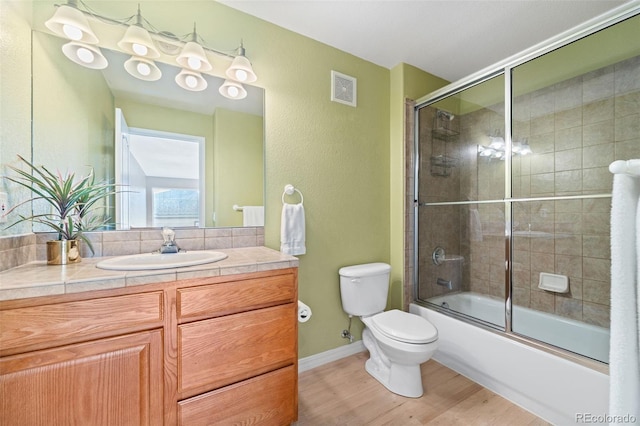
(17,250)
(20,249)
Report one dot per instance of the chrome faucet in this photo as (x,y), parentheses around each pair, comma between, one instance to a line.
(445,283)
(169,241)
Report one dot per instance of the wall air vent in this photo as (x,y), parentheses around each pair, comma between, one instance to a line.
(343,88)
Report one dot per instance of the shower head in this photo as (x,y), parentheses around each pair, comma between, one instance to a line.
(445,114)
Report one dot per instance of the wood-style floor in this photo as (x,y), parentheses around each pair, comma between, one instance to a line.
(343,393)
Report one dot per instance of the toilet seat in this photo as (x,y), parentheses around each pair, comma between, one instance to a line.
(404,327)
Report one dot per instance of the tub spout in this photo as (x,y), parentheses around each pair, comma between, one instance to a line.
(444,283)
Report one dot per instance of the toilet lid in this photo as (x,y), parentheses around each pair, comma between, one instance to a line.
(405,327)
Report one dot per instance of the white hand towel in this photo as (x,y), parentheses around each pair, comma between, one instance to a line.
(253,216)
(624,365)
(292,230)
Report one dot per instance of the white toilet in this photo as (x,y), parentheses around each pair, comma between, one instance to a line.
(398,342)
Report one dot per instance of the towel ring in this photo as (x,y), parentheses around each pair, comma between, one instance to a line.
(289,190)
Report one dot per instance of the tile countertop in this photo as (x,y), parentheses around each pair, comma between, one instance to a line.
(39,279)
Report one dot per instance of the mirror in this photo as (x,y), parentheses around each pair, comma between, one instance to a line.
(75,125)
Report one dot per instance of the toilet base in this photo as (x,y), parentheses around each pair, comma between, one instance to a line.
(396,364)
(404,380)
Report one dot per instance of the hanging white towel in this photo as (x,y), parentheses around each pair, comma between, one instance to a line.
(253,216)
(292,229)
(624,364)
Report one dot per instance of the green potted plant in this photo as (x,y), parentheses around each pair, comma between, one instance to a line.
(74,207)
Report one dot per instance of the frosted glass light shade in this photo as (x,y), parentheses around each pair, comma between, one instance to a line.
(193,57)
(190,80)
(71,23)
(84,54)
(232,90)
(137,41)
(496,142)
(525,149)
(241,70)
(142,68)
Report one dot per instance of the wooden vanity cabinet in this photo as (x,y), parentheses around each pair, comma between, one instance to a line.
(114,381)
(216,350)
(81,360)
(237,351)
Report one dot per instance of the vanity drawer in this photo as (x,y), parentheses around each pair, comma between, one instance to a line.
(229,297)
(270,399)
(68,322)
(220,351)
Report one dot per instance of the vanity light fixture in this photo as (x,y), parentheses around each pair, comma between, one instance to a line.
(137,41)
(497,148)
(232,90)
(68,21)
(192,56)
(84,54)
(191,80)
(145,43)
(143,68)
(240,69)
(525,148)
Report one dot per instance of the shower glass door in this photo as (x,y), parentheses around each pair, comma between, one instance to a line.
(514,197)
(460,222)
(578,109)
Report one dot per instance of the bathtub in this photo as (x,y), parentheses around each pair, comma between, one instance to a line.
(575,336)
(554,388)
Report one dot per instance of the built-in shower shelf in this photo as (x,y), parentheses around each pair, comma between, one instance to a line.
(445,134)
(441,165)
(444,161)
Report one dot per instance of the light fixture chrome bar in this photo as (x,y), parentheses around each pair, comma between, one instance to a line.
(157,34)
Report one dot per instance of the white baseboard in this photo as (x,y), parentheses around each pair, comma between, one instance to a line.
(331,355)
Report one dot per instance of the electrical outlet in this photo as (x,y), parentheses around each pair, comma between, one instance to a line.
(4,208)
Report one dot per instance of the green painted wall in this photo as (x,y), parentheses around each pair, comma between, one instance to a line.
(64,94)
(335,154)
(406,82)
(15,100)
(238,159)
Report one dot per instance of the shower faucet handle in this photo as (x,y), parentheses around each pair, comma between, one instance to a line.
(438,256)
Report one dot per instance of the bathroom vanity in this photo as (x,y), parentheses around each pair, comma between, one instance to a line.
(216,344)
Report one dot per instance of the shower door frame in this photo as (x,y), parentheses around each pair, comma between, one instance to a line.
(505,68)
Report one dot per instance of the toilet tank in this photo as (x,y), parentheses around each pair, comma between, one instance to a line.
(364,288)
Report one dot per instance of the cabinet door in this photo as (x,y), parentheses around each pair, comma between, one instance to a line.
(115,381)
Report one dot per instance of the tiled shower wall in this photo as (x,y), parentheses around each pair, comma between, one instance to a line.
(575,128)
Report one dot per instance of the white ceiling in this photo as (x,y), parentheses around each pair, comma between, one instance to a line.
(448,38)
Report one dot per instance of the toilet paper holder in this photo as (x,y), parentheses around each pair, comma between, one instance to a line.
(304,312)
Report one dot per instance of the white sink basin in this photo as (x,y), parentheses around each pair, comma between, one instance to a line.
(146,261)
